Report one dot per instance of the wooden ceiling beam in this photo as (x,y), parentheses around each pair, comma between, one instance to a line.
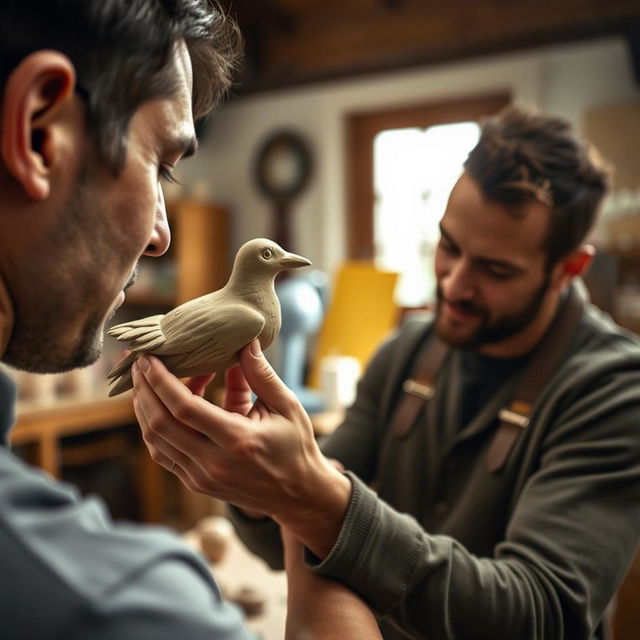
(336,39)
(266,13)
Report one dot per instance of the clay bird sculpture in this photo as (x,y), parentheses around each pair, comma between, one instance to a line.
(204,335)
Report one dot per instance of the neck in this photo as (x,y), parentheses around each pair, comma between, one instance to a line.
(6,318)
(249,283)
(525,340)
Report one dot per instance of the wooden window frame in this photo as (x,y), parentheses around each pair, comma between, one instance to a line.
(361,128)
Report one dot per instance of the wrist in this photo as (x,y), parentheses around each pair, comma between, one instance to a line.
(317,518)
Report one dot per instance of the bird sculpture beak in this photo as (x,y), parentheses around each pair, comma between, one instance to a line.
(293,261)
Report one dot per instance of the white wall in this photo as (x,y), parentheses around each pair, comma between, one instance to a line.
(564,80)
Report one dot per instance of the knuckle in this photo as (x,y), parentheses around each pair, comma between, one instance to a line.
(150,440)
(152,377)
(248,447)
(212,471)
(267,372)
(183,411)
(155,425)
(290,403)
(198,485)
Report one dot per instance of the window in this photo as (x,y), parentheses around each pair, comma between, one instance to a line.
(401,163)
(413,173)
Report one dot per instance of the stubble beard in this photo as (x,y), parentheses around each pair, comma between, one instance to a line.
(52,292)
(491,332)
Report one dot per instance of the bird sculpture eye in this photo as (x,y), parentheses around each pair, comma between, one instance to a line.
(267,253)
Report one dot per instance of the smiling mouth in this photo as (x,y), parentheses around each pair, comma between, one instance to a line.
(460,311)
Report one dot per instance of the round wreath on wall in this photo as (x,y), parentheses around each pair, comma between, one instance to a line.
(283,165)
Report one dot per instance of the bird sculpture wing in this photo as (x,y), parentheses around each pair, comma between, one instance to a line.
(210,338)
(197,337)
(140,335)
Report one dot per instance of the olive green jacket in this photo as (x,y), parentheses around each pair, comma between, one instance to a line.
(447,549)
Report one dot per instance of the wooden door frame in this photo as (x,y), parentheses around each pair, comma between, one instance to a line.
(361,128)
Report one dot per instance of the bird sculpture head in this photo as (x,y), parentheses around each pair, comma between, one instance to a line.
(261,255)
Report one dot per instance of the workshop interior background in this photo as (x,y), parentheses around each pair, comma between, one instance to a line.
(329,91)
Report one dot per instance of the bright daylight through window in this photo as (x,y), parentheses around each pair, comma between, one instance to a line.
(414,171)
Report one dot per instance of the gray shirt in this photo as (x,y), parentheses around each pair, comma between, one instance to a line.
(69,572)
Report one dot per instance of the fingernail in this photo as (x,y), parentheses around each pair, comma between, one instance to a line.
(255,348)
(135,369)
(143,363)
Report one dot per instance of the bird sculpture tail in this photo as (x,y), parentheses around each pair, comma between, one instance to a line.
(141,335)
(119,377)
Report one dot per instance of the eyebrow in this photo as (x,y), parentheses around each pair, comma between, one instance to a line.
(503,264)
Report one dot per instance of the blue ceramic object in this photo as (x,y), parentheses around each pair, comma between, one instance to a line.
(303,298)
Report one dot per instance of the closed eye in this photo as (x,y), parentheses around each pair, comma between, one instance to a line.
(498,273)
(166,175)
(447,247)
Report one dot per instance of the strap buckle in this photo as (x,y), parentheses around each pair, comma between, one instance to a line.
(418,389)
(514,418)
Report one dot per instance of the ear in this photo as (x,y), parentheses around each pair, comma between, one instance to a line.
(36,96)
(576,263)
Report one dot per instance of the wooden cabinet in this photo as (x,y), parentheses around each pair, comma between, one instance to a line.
(202,248)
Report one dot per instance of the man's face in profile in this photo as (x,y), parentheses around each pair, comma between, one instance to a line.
(74,277)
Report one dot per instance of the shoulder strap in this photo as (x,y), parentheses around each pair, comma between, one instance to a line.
(417,389)
(514,418)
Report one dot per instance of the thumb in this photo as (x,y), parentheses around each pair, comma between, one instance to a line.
(264,381)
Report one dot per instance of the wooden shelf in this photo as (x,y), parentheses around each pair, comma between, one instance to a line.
(44,426)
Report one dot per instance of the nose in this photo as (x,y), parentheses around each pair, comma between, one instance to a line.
(457,282)
(161,234)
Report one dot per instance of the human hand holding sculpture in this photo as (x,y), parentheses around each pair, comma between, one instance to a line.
(262,457)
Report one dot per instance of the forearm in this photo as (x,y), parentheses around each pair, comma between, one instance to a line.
(329,611)
(316,521)
(321,608)
(316,518)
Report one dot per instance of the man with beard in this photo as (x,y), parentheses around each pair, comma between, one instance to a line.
(492,455)
(98,105)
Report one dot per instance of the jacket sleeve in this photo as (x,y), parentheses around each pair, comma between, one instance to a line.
(261,536)
(574,526)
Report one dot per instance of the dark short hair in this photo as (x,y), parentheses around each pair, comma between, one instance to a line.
(523,155)
(122,51)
